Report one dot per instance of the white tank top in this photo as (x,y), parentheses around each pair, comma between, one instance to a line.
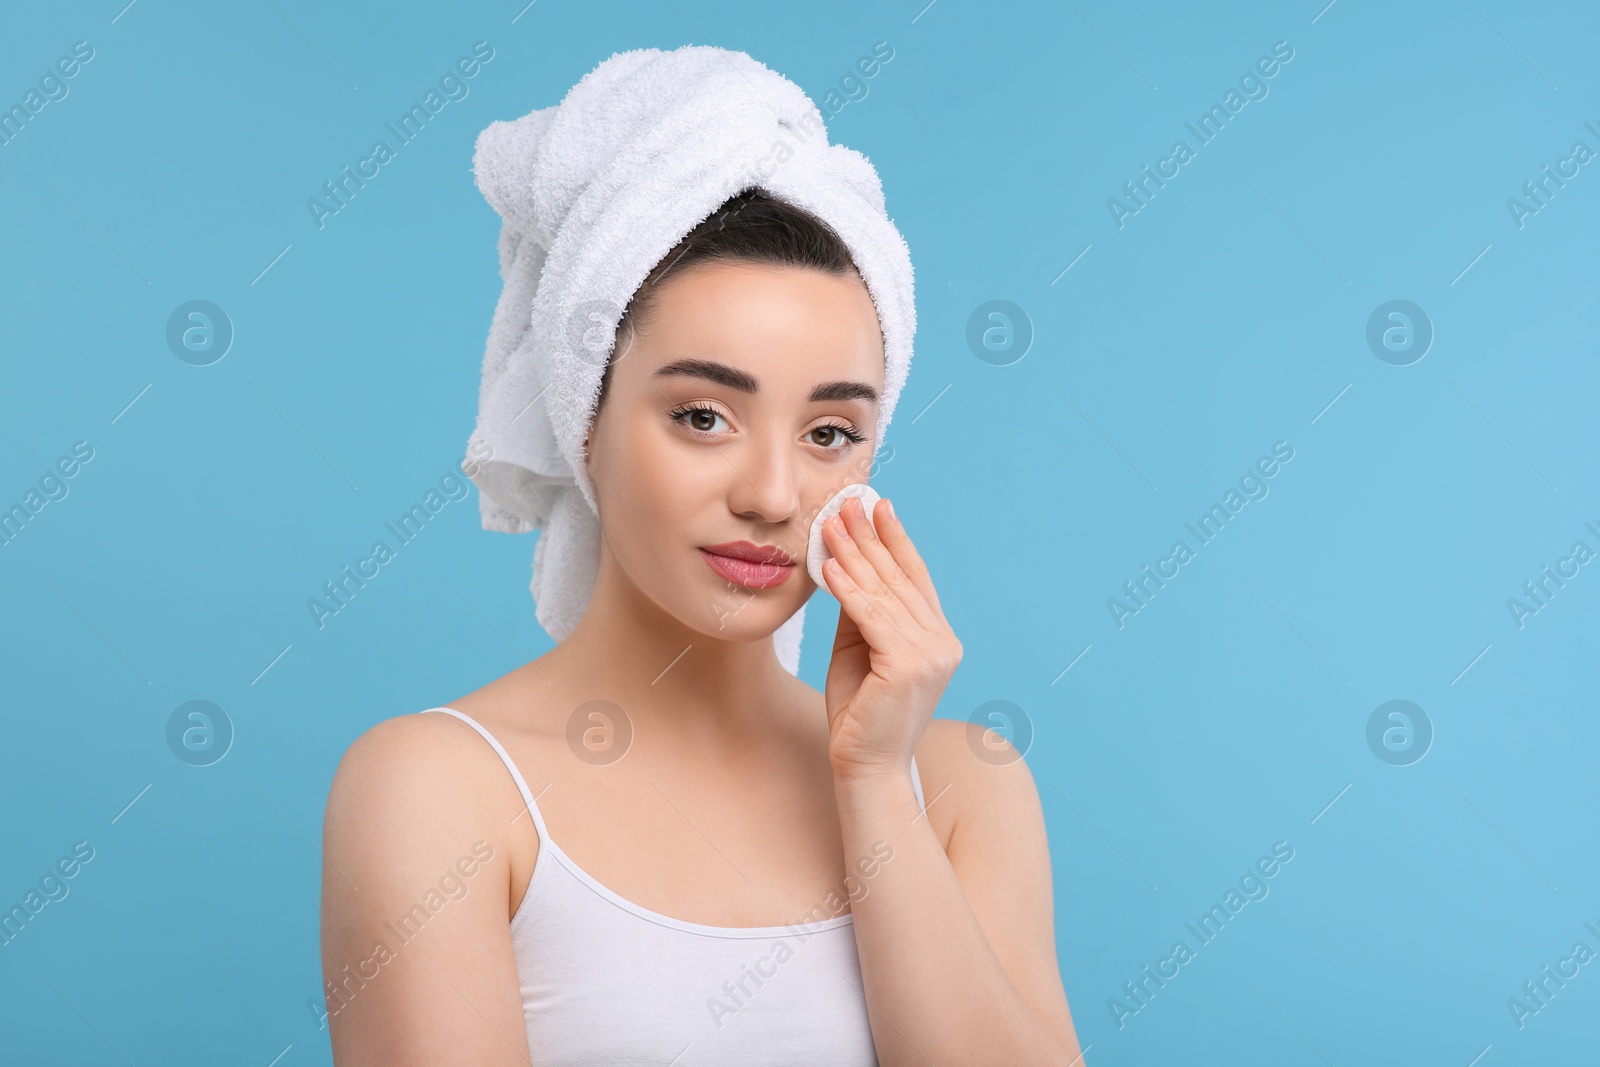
(606,981)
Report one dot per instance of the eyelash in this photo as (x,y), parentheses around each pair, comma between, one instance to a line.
(680,414)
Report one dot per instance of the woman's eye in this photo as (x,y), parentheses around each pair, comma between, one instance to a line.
(701,419)
(834,437)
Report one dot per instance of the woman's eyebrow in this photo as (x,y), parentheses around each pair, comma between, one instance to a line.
(734,378)
(844,390)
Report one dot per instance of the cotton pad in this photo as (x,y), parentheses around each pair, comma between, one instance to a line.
(816,551)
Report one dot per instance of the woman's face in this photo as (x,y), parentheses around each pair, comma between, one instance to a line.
(748,401)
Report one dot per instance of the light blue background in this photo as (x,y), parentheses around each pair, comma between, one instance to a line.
(1228,314)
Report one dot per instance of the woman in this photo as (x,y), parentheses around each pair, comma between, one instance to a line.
(654,843)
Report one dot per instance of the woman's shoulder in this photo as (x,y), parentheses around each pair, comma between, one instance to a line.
(421,774)
(409,750)
(958,747)
(433,750)
(965,767)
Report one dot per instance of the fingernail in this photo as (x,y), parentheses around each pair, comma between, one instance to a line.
(889,507)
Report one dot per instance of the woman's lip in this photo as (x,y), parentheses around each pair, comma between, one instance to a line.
(753,552)
(744,572)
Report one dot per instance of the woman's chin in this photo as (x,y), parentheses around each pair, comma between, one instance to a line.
(747,616)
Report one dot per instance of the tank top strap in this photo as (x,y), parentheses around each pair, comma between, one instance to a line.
(532,805)
(516,775)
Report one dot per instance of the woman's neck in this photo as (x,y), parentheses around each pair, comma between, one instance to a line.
(673,682)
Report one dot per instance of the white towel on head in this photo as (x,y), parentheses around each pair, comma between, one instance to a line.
(592,194)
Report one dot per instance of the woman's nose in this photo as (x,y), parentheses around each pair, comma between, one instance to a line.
(764,482)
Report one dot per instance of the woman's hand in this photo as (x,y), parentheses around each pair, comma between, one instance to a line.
(894,651)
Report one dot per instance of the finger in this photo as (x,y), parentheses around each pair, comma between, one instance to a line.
(914,635)
(866,541)
(939,653)
(865,611)
(846,542)
(893,534)
(923,624)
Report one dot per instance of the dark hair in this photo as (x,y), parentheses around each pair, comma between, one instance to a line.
(750,227)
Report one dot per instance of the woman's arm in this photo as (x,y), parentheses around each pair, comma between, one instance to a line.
(957,951)
(416,885)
